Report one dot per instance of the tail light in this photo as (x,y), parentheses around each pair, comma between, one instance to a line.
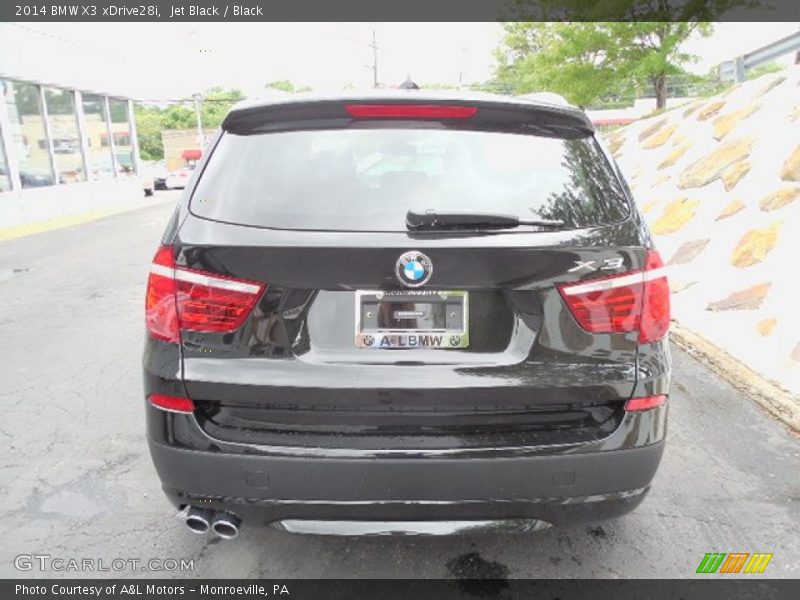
(636,301)
(171,403)
(410,111)
(646,403)
(180,299)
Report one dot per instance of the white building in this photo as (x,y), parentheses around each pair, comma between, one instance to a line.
(67,133)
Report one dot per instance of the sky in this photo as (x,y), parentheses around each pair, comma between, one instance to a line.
(161,61)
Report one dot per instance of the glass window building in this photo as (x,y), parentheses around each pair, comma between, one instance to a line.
(54,136)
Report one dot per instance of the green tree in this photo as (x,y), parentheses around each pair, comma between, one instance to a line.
(178,116)
(577,60)
(151,120)
(436,85)
(216,104)
(591,59)
(286,85)
(765,69)
(118,110)
(27,98)
(148,131)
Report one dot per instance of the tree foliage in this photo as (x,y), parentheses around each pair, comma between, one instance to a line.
(590,59)
(148,131)
(765,69)
(284,85)
(150,120)
(215,104)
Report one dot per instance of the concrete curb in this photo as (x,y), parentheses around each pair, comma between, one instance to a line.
(19,231)
(770,395)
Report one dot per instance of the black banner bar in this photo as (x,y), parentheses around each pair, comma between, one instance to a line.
(394,10)
(733,588)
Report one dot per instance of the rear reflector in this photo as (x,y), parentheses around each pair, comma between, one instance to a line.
(636,301)
(181,299)
(410,111)
(171,403)
(646,403)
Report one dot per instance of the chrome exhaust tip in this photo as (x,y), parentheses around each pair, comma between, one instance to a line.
(226,525)
(198,520)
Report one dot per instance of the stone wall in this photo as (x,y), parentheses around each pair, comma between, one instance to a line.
(719,181)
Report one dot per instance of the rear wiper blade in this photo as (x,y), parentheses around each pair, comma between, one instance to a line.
(432,220)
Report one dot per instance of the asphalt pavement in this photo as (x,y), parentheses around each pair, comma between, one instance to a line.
(77,482)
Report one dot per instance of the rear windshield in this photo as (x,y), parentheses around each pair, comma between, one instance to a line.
(368,179)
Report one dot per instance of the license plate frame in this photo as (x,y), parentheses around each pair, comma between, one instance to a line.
(453,334)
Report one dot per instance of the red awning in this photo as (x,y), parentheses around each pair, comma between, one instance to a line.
(191,154)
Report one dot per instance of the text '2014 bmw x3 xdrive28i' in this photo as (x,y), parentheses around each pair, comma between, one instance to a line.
(405,313)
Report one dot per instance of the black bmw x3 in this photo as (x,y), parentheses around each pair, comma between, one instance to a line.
(406,313)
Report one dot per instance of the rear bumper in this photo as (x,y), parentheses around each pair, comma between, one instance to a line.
(269,489)
(358,480)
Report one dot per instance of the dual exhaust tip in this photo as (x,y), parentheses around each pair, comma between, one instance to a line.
(202,520)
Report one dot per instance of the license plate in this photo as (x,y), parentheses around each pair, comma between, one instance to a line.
(412,319)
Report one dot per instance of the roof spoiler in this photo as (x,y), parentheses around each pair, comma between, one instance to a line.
(501,116)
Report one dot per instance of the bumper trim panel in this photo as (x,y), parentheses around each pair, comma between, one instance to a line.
(402,528)
(405,480)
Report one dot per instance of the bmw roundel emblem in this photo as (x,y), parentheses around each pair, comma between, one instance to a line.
(413,269)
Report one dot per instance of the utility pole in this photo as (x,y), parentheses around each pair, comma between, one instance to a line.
(374,47)
(463,61)
(197,99)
